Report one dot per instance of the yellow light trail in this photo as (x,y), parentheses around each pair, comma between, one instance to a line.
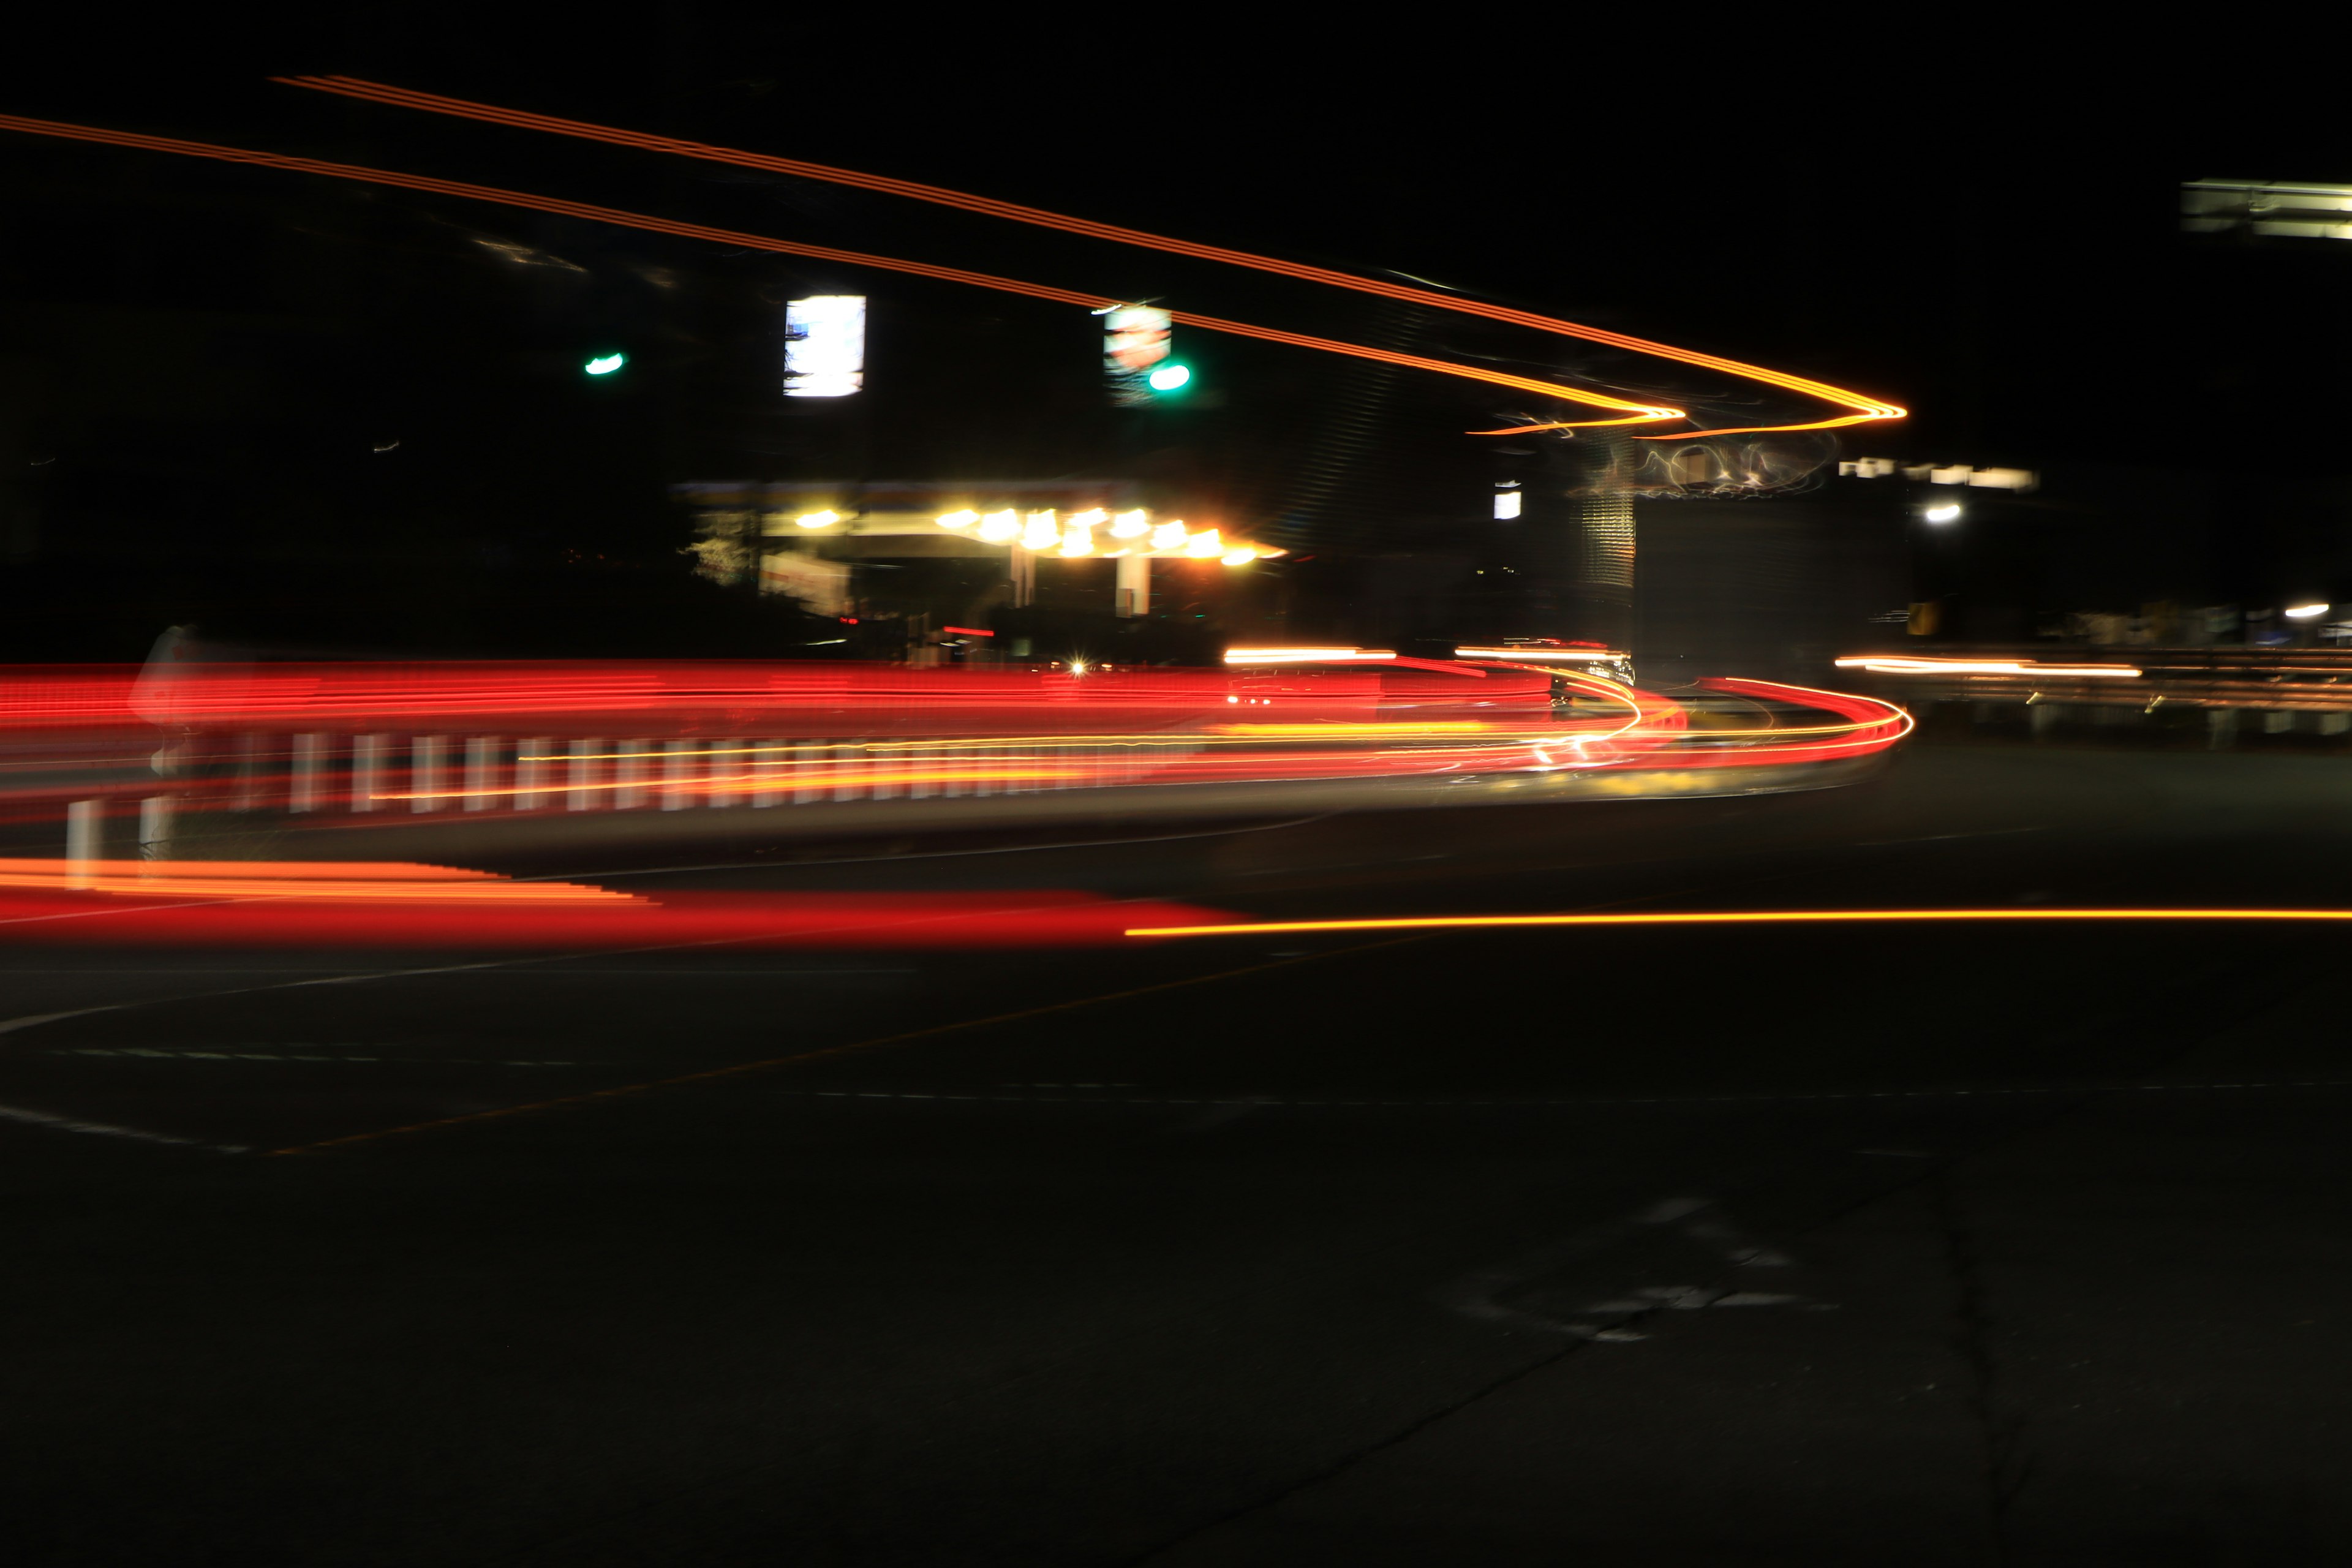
(1729,917)
(1864,409)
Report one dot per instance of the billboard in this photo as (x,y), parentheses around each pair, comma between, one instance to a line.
(825,345)
(1135,340)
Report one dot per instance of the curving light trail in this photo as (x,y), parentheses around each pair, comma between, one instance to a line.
(1633,413)
(1863,410)
(1728,917)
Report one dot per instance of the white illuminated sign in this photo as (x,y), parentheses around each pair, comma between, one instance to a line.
(1506,504)
(824,346)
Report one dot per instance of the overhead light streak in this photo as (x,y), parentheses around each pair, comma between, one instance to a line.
(1636,413)
(1863,409)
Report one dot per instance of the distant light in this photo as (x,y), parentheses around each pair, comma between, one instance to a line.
(1078,666)
(1541,654)
(1168,377)
(1001,527)
(966,632)
(1305,655)
(1908,664)
(1948,512)
(817,519)
(1506,504)
(605,364)
(1129,525)
(958,518)
(2303,612)
(1238,557)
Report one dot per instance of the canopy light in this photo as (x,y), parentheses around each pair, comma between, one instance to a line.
(2303,612)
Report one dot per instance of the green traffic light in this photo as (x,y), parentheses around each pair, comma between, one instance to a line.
(1170,377)
(605,364)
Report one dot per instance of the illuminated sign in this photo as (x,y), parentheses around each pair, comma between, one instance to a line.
(824,346)
(1135,341)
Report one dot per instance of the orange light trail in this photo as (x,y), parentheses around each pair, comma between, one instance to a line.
(1864,409)
(1729,917)
(1636,413)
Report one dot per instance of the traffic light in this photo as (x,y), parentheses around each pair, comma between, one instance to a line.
(604,363)
(1170,378)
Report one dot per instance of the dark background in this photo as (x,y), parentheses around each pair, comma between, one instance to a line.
(201,361)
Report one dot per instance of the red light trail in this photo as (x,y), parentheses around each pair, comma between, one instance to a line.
(1864,409)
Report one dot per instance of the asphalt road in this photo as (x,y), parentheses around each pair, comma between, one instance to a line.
(2013,1244)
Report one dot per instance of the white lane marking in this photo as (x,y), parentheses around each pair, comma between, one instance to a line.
(109,1130)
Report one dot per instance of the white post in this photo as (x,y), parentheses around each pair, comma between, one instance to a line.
(629,775)
(367,767)
(583,774)
(425,755)
(82,824)
(678,763)
(308,752)
(805,773)
(1133,594)
(480,755)
(530,770)
(726,768)
(768,769)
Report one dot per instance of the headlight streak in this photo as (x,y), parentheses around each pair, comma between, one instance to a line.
(1732,917)
(1865,409)
(1640,413)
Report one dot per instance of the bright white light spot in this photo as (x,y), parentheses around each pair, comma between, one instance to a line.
(1040,532)
(1506,504)
(817,519)
(1129,525)
(1168,536)
(2304,612)
(1205,544)
(1946,513)
(605,364)
(958,518)
(1001,527)
(1168,377)
(825,345)
(1238,557)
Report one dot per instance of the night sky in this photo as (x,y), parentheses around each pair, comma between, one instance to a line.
(1981,229)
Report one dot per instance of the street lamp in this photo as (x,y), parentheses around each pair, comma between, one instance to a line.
(1949,511)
